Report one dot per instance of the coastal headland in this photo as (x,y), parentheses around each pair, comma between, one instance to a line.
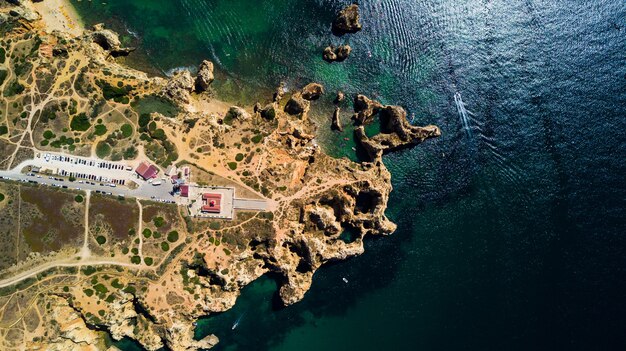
(134,260)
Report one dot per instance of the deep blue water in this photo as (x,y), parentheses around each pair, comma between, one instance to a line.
(511,231)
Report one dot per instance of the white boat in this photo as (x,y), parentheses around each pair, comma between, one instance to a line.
(345,280)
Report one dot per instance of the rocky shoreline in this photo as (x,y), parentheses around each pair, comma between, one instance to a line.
(314,197)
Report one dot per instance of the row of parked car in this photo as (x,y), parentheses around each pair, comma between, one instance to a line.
(86,162)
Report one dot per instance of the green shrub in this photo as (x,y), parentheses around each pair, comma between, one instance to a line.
(78,198)
(100,129)
(257,138)
(165,246)
(144,119)
(101,240)
(125,250)
(127,130)
(147,233)
(1,197)
(156,235)
(4,130)
(232,165)
(239,157)
(80,122)
(172,236)
(130,153)
(148,261)
(88,292)
(158,221)
(135,260)
(48,134)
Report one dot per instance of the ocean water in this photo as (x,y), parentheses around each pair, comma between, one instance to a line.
(511,226)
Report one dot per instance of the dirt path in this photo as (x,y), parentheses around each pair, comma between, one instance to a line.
(69,262)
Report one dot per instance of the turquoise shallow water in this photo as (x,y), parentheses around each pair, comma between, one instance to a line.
(511,225)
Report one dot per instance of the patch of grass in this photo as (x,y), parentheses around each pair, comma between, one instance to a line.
(103,149)
(215,225)
(80,122)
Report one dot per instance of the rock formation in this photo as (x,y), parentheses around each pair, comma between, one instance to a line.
(395,133)
(179,87)
(336,53)
(280,91)
(312,91)
(297,105)
(109,41)
(205,76)
(339,98)
(364,109)
(347,21)
(336,123)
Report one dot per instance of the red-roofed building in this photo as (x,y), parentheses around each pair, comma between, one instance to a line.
(211,203)
(184,190)
(147,171)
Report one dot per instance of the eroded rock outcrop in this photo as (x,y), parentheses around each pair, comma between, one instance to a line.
(109,41)
(297,105)
(365,109)
(312,91)
(347,21)
(205,76)
(179,87)
(395,133)
(336,53)
(339,97)
(336,122)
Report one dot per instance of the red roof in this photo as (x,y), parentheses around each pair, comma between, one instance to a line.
(212,209)
(146,170)
(184,190)
(206,196)
(212,202)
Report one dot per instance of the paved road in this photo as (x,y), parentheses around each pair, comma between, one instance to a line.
(249,204)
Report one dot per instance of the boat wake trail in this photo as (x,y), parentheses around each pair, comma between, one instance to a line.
(464,114)
(236,324)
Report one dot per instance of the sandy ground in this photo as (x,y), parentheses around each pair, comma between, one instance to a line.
(59,15)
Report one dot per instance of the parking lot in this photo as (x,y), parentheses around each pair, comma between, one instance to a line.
(105,177)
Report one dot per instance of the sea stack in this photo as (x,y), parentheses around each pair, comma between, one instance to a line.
(347,21)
